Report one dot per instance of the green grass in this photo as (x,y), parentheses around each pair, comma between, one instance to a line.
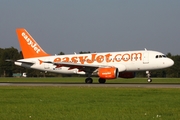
(81,80)
(88,103)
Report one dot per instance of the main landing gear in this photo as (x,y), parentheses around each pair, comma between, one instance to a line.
(90,80)
(148,75)
(101,80)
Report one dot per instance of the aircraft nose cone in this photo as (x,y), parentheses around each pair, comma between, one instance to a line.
(170,62)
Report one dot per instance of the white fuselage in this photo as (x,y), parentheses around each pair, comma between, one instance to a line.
(141,60)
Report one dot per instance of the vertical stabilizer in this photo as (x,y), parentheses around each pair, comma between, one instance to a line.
(29,46)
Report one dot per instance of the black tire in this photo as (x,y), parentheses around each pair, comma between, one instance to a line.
(101,80)
(88,80)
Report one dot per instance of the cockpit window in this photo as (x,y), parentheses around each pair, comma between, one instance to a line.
(160,56)
(164,56)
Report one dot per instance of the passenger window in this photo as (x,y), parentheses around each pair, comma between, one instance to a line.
(156,56)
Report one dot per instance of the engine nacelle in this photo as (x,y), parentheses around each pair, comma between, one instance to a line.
(127,74)
(108,73)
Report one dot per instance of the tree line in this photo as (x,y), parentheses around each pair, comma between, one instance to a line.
(8,55)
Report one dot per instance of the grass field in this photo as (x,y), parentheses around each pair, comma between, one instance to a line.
(87,103)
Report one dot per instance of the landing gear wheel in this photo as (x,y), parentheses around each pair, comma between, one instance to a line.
(101,80)
(88,80)
(149,80)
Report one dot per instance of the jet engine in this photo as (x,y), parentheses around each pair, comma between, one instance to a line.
(108,73)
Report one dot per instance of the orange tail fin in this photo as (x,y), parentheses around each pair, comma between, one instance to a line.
(29,46)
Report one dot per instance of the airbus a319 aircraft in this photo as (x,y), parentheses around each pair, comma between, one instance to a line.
(106,65)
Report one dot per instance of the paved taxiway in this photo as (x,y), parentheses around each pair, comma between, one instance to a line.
(134,85)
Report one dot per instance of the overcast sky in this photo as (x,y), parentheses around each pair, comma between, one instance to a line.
(93,25)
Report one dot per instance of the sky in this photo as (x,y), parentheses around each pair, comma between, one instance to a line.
(93,25)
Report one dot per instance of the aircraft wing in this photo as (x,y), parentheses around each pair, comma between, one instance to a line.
(84,67)
(81,67)
(69,64)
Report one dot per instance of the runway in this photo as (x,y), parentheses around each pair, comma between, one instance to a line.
(117,85)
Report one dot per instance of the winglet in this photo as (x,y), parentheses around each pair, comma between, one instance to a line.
(29,46)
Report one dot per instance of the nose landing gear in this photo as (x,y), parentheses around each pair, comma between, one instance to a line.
(148,75)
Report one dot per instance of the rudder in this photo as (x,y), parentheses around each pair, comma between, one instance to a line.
(29,46)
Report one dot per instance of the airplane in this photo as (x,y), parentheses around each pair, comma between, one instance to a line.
(105,65)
